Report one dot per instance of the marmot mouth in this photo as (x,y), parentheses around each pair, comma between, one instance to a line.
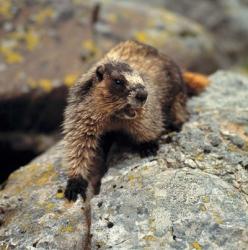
(127,113)
(130,112)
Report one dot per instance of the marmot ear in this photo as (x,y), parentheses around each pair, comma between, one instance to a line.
(100,72)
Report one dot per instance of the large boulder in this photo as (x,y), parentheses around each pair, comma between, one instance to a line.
(192,195)
(185,41)
(225,19)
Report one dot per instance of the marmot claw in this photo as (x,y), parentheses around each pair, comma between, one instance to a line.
(76,185)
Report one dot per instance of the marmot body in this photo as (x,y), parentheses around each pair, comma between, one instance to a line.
(134,89)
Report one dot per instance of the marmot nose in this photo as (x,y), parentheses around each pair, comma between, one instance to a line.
(141,95)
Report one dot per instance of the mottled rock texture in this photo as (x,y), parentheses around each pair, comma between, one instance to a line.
(192,195)
(187,42)
(225,19)
(33,211)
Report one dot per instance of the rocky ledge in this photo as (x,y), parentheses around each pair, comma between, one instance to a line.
(192,195)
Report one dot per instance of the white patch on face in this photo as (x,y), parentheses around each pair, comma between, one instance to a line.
(133,78)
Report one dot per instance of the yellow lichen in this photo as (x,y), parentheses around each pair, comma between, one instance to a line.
(43,15)
(45,84)
(203,208)
(112,18)
(46,176)
(141,36)
(135,180)
(49,206)
(90,46)
(205,199)
(10,56)
(36,174)
(167,16)
(245,148)
(196,245)
(70,79)
(149,238)
(13,57)
(32,83)
(152,224)
(59,195)
(216,216)
(199,157)
(67,229)
(131,177)
(5,8)
(31,39)
(232,148)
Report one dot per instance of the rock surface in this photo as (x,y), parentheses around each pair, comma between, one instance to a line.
(187,42)
(33,212)
(225,19)
(192,195)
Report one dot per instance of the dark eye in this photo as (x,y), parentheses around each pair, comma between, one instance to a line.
(118,82)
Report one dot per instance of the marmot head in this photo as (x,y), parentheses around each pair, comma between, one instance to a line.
(121,86)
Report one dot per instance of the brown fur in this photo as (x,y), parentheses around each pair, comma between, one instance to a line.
(96,107)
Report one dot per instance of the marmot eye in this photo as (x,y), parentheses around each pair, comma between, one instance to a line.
(118,82)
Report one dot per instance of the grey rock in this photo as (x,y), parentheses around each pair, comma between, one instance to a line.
(187,42)
(207,148)
(214,140)
(246,130)
(244,163)
(225,19)
(34,214)
(236,140)
(183,198)
(185,207)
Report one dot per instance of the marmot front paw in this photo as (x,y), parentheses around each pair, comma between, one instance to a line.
(76,185)
(148,148)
